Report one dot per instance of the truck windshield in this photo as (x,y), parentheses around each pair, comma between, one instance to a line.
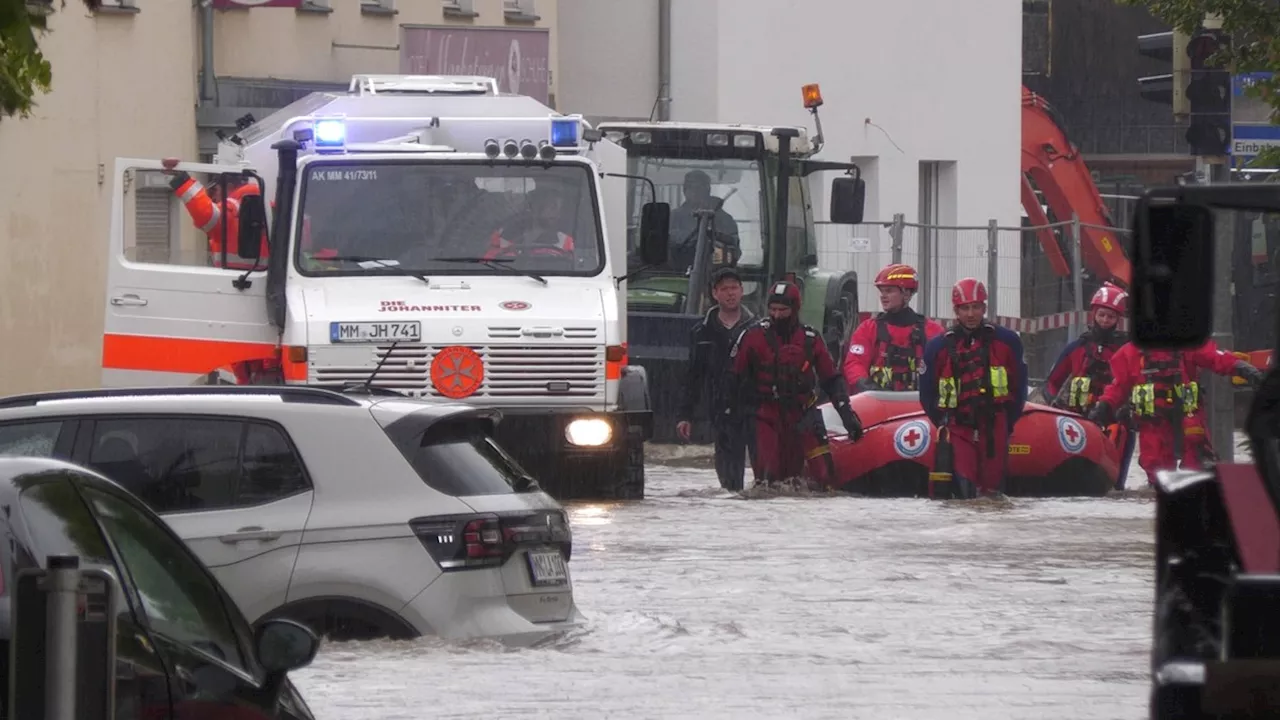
(448,218)
(692,184)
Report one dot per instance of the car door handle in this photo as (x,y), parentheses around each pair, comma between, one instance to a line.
(253,532)
(130,300)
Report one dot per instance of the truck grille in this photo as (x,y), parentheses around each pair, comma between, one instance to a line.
(511,372)
(515,332)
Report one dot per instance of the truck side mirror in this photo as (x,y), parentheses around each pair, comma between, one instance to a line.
(1172,275)
(253,223)
(848,198)
(655,231)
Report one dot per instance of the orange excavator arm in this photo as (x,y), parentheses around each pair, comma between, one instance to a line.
(1054,164)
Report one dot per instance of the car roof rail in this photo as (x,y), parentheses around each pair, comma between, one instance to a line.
(287,393)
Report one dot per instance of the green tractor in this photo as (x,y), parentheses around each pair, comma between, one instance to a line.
(739,196)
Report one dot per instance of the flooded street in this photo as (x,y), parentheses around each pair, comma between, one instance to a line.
(701,605)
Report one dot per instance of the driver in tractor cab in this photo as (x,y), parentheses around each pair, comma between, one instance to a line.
(537,232)
(886,352)
(973,386)
(1164,396)
(780,363)
(1083,369)
(684,222)
(207,214)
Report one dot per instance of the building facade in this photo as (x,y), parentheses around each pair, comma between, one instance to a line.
(129,81)
(923,95)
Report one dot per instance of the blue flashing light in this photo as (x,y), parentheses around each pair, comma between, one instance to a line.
(564,132)
(330,133)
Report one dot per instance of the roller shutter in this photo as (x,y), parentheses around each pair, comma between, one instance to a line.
(153,218)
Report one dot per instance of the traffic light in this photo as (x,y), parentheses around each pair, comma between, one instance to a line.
(1167,89)
(1208,95)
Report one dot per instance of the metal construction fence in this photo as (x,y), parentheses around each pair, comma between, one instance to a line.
(1027,294)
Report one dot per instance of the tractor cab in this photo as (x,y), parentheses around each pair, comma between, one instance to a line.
(739,196)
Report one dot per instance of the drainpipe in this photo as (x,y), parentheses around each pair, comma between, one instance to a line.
(663,106)
(207,92)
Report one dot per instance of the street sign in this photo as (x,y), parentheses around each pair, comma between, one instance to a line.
(1249,139)
(1249,110)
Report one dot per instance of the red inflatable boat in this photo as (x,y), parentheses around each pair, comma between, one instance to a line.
(1052,453)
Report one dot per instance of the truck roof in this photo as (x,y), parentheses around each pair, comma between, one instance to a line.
(801,144)
(395,103)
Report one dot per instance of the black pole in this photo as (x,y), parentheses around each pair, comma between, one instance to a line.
(785,170)
(278,250)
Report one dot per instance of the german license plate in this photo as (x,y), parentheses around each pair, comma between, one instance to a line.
(359,332)
(548,568)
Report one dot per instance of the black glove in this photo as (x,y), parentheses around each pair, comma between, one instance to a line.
(1125,414)
(1251,374)
(1101,413)
(866,385)
(178,179)
(850,419)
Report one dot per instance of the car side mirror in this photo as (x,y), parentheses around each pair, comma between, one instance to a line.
(655,231)
(285,645)
(1172,275)
(253,223)
(848,198)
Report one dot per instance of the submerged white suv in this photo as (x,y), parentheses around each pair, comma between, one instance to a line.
(361,516)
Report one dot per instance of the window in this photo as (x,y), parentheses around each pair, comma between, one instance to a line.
(446,217)
(178,597)
(687,184)
(60,524)
(378,7)
(32,439)
(460,459)
(800,241)
(270,468)
(197,464)
(454,8)
(518,7)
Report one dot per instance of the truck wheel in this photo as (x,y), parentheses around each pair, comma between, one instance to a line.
(629,478)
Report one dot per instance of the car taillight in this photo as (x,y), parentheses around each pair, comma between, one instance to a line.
(460,542)
(541,528)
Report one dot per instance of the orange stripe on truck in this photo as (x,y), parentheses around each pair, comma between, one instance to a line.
(178,355)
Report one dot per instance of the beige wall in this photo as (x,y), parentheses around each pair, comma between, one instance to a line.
(122,85)
(291,45)
(125,86)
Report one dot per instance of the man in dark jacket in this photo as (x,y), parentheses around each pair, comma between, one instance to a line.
(710,375)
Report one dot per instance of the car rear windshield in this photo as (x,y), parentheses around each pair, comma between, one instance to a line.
(461,458)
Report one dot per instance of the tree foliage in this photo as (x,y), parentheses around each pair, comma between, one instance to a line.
(24,71)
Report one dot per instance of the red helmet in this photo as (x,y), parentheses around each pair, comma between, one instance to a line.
(900,276)
(968,290)
(1110,297)
(785,293)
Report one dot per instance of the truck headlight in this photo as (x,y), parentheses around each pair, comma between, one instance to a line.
(588,432)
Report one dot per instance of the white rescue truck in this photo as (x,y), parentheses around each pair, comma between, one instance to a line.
(429,237)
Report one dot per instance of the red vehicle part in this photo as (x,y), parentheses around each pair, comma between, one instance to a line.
(1052,453)
(1054,164)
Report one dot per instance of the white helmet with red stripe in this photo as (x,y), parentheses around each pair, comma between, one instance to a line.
(1110,297)
(968,290)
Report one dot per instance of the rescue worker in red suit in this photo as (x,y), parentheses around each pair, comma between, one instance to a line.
(885,351)
(1163,392)
(974,383)
(1083,369)
(207,214)
(780,364)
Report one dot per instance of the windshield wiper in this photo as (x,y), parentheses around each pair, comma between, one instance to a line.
(367,262)
(493,263)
